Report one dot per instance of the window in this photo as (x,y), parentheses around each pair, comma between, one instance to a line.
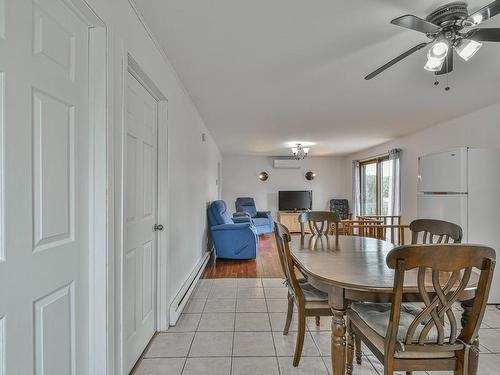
(375,185)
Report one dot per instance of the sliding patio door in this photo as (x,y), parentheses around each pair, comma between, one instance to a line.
(375,184)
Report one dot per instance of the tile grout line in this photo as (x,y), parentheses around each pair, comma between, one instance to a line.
(371,363)
(194,335)
(318,346)
(234,329)
(272,333)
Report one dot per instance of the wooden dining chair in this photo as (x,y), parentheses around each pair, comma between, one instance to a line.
(430,228)
(309,300)
(319,222)
(409,338)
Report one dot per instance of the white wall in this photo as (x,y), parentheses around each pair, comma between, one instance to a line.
(477,129)
(239,179)
(192,164)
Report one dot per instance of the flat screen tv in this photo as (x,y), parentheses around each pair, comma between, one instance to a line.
(295,200)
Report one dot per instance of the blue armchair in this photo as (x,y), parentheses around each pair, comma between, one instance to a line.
(234,238)
(262,220)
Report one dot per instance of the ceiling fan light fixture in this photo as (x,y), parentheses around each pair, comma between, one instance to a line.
(466,48)
(439,50)
(436,56)
(433,64)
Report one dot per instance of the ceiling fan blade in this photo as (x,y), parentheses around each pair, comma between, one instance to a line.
(485,35)
(395,60)
(416,23)
(485,13)
(448,63)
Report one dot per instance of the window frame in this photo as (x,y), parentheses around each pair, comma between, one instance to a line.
(379,181)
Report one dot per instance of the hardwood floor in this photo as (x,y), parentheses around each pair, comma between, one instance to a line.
(266,265)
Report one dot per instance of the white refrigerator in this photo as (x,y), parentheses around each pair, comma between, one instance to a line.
(463,186)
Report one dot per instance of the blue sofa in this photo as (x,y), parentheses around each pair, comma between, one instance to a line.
(262,220)
(234,237)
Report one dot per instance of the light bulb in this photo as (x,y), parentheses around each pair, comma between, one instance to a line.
(294,150)
(306,150)
(433,64)
(438,50)
(467,48)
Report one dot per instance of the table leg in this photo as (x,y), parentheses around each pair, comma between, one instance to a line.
(338,342)
(474,353)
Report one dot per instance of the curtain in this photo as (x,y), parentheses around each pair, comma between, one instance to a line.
(395,183)
(356,190)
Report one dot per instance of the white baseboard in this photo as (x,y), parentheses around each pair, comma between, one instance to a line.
(186,289)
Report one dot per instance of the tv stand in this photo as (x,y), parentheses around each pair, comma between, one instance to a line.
(290,219)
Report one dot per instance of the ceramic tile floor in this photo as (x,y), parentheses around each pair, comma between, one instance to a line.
(234,327)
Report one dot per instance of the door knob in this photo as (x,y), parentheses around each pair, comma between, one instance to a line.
(158,227)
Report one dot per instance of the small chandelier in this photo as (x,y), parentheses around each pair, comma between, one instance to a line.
(300,152)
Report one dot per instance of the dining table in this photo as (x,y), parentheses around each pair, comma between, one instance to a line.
(353,268)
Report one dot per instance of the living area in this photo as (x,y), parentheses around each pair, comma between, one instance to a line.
(453,193)
(254,185)
(281,98)
(249,187)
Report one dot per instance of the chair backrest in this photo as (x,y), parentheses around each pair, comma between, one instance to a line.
(430,228)
(217,213)
(443,272)
(282,239)
(246,204)
(320,222)
(341,207)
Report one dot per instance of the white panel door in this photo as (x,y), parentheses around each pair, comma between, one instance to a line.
(139,276)
(44,206)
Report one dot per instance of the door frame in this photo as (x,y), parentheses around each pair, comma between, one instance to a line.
(99,348)
(129,63)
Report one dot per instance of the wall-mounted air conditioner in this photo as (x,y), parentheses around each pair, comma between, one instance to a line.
(286,164)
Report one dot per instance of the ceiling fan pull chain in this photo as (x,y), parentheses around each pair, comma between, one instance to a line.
(436,81)
(447,88)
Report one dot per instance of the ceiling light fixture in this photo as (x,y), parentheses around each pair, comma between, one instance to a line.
(466,48)
(433,65)
(439,50)
(450,27)
(436,56)
(300,152)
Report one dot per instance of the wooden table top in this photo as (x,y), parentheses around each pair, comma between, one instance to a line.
(352,262)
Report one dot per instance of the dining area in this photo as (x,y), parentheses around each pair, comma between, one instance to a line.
(415,306)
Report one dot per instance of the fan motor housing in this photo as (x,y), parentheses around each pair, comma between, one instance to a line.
(449,13)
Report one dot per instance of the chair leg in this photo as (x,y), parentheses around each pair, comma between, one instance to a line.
(359,355)
(465,362)
(300,337)
(289,315)
(317,321)
(388,366)
(350,351)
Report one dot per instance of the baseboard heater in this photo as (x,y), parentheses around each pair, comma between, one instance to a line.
(187,288)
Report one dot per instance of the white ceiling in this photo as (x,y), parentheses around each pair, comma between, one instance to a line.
(263,73)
